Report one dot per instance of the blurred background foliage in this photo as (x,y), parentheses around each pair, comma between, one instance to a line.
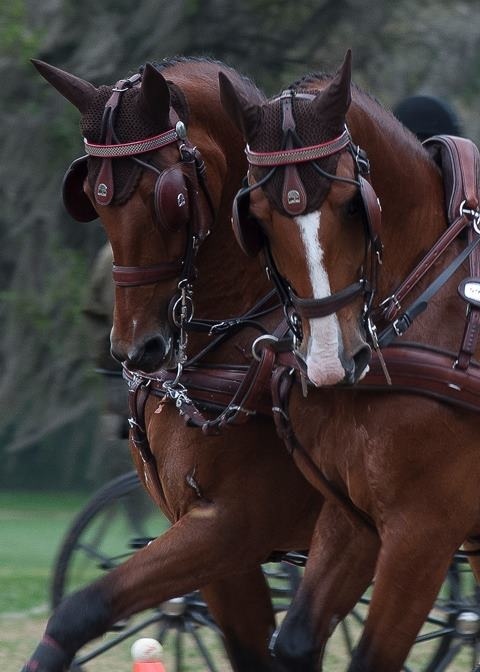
(49,398)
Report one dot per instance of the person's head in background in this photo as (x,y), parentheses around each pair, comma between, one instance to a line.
(426,116)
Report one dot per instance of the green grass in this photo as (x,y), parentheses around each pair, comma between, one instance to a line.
(32,525)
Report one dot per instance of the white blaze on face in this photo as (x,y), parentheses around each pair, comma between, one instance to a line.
(323,363)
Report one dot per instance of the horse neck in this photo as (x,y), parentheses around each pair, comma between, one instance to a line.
(228,283)
(409,187)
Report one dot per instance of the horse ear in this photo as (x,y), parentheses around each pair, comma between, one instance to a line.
(244,112)
(333,102)
(78,91)
(179,101)
(154,99)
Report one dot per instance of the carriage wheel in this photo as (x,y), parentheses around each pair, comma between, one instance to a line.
(449,640)
(118,519)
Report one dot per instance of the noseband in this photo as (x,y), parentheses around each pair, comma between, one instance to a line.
(294,201)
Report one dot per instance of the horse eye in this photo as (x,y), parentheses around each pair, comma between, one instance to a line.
(354,206)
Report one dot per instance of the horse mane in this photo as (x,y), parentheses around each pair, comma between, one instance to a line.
(172,61)
(373,106)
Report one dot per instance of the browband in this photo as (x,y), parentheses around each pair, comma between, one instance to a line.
(137,146)
(298,154)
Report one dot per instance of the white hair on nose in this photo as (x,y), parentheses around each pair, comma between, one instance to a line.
(323,363)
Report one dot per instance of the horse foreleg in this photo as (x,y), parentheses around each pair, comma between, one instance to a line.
(243,610)
(340,566)
(411,568)
(201,548)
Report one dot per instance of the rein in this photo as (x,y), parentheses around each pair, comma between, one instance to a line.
(460,166)
(237,391)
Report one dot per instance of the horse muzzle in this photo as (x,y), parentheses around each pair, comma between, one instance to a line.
(148,355)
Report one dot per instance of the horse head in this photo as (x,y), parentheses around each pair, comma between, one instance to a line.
(305,201)
(146,181)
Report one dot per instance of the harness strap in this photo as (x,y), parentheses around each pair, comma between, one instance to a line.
(405,320)
(137,276)
(459,162)
(421,369)
(393,304)
(138,394)
(282,382)
(472,323)
(104,186)
(312,308)
(294,196)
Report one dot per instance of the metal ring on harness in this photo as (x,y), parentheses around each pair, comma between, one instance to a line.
(185,314)
(473,213)
(266,338)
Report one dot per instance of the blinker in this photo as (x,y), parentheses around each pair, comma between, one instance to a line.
(76,202)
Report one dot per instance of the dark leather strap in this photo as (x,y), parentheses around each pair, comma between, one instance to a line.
(312,308)
(282,382)
(393,304)
(472,323)
(136,276)
(138,394)
(104,185)
(405,320)
(420,369)
(460,164)
(294,197)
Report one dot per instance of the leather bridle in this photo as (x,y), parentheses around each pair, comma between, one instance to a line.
(192,166)
(293,153)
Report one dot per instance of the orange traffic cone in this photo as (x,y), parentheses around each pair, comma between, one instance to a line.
(147,655)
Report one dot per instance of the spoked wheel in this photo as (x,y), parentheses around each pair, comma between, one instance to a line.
(449,640)
(119,519)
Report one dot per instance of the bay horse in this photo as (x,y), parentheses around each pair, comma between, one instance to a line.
(164,162)
(400,472)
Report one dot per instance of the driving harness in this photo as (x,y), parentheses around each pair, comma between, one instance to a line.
(234,394)
(452,377)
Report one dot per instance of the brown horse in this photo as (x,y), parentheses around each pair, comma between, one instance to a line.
(233,497)
(403,470)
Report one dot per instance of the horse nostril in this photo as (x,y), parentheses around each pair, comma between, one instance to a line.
(155,347)
(118,356)
(150,355)
(361,359)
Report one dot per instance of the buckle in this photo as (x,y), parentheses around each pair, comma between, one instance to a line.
(474,214)
(401,324)
(267,339)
